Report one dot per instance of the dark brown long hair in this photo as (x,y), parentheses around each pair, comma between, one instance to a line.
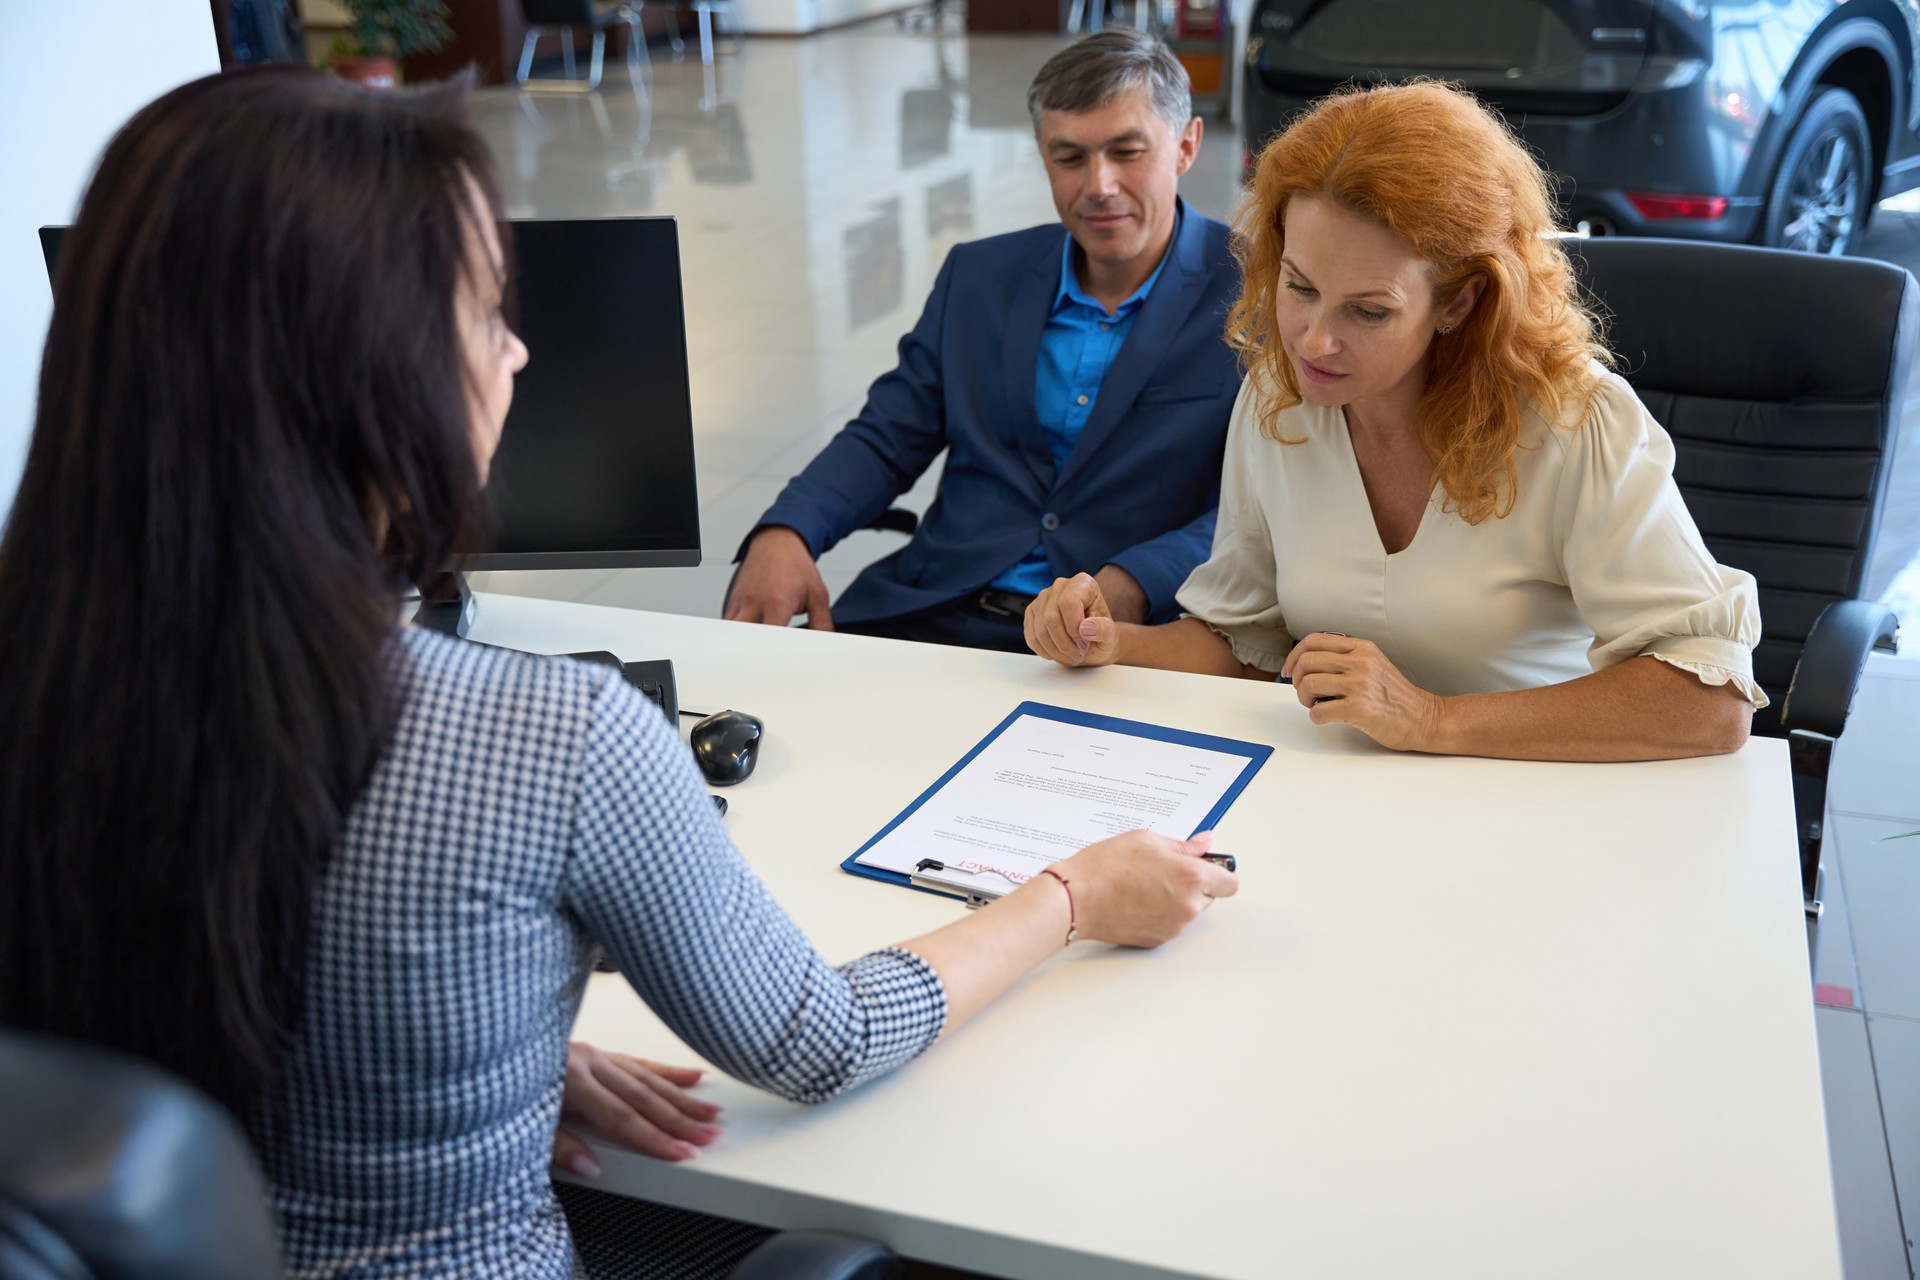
(252,427)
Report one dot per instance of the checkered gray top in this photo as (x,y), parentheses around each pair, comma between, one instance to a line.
(526,808)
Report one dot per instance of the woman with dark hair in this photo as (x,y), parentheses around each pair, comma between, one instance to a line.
(344,875)
(1441,516)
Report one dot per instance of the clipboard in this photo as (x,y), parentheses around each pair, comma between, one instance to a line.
(949,882)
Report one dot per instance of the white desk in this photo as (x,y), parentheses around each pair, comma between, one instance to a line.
(1465,1019)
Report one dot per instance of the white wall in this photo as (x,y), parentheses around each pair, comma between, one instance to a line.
(70,75)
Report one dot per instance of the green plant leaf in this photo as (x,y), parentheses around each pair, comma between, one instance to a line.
(396,28)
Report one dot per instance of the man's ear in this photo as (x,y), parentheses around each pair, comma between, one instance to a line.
(1189,144)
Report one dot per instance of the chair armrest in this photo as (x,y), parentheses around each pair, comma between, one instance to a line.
(818,1255)
(1829,669)
(895,520)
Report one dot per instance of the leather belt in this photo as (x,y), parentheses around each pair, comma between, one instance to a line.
(1004,604)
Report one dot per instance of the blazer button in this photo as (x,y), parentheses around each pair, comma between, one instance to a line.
(1049,522)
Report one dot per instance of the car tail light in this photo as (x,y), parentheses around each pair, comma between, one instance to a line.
(1196,18)
(1693,208)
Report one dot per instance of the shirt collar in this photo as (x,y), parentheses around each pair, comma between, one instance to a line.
(1070,290)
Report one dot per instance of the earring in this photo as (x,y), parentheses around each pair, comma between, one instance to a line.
(1446,329)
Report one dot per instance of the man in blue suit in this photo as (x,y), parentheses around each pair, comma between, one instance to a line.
(1077,379)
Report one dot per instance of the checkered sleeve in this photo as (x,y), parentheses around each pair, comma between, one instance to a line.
(656,882)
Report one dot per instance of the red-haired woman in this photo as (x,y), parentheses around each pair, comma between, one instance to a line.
(1442,517)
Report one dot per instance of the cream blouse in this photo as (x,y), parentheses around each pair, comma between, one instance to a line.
(1598,561)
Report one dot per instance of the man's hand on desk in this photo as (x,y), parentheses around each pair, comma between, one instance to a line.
(1073,622)
(777,581)
(645,1105)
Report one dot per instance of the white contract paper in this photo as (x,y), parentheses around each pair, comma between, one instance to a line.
(1042,788)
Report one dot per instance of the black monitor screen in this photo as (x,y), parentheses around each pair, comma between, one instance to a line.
(595,469)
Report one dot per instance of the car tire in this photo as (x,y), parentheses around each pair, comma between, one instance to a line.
(1821,196)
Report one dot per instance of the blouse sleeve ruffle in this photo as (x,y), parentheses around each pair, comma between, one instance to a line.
(1256,646)
(1713,639)
(1233,591)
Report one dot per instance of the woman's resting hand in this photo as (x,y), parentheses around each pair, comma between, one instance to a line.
(1071,623)
(1347,681)
(645,1105)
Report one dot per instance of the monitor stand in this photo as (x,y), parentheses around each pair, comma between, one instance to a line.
(448,611)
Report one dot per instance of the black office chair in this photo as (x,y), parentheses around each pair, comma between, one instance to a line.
(563,16)
(1781,377)
(603,1223)
(111,1169)
(892,520)
(819,1255)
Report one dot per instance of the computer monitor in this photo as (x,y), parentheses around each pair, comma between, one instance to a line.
(595,469)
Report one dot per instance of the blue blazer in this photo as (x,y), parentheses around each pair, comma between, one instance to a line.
(1140,487)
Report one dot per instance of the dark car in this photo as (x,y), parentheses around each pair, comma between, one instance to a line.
(1777,121)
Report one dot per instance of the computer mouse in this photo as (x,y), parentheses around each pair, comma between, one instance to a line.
(727,746)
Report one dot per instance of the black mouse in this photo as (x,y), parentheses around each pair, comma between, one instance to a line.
(727,746)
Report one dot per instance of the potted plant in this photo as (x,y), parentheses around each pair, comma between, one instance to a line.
(384,31)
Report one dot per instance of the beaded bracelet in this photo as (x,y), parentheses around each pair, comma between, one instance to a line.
(1072,919)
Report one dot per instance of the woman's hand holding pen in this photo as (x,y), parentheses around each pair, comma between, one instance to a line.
(1137,890)
(1142,889)
(645,1105)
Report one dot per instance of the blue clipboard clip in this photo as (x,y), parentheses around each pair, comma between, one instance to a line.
(920,880)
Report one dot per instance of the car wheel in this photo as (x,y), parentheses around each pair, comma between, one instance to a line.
(1819,199)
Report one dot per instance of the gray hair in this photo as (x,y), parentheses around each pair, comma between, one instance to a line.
(1093,72)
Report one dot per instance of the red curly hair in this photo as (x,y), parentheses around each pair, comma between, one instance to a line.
(1445,174)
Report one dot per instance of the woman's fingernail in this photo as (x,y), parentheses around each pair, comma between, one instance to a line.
(1088,629)
(686,1150)
(583,1164)
(708,1131)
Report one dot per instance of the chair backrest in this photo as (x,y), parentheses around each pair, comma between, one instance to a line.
(1780,377)
(110,1168)
(557,13)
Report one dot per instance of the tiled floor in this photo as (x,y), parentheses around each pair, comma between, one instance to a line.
(1870,947)
(1870,944)
(819,184)
(1870,951)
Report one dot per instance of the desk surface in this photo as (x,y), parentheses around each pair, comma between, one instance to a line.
(1466,1018)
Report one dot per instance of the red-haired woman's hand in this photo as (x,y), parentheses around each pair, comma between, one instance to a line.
(1341,680)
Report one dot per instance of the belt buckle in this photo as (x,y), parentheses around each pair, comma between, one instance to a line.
(996,601)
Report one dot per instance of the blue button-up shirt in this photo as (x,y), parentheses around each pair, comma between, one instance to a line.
(1077,348)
